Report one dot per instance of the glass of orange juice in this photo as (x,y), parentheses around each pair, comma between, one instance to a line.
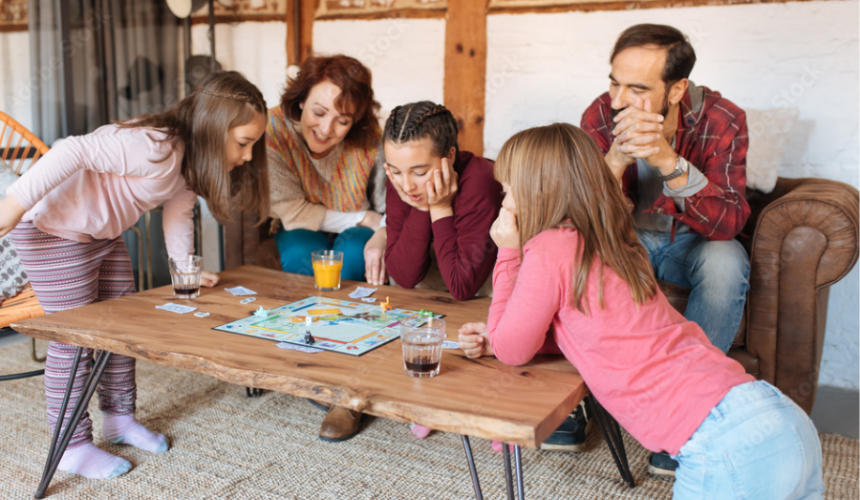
(327,265)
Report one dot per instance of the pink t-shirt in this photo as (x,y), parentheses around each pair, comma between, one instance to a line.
(653,370)
(95,186)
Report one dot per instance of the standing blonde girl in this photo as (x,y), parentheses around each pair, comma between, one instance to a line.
(67,215)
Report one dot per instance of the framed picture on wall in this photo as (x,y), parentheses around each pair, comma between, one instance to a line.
(337,8)
(506,4)
(13,15)
(244,10)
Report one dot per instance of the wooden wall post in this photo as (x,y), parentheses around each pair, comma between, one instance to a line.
(300,30)
(308,9)
(466,69)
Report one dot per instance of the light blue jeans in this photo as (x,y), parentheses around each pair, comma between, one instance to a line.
(716,272)
(295,249)
(755,444)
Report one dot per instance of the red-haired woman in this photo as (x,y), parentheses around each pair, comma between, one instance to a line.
(327,180)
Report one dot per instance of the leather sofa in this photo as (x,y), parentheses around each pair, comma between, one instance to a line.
(802,238)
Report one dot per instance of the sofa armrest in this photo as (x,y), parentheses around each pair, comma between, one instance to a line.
(804,241)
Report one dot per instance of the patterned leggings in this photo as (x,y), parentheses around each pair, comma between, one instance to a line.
(66,274)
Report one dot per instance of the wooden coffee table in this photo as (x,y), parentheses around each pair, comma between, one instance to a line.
(519,405)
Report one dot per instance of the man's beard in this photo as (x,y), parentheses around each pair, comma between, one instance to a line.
(664,111)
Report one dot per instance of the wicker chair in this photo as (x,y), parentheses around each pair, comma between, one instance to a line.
(19,150)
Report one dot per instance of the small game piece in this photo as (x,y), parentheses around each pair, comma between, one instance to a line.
(261,313)
(385,306)
(369,300)
(201,314)
(248,300)
(308,338)
(424,313)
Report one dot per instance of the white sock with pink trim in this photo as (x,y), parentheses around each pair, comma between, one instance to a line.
(92,462)
(125,429)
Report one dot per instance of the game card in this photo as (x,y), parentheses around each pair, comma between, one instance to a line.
(177,308)
(240,290)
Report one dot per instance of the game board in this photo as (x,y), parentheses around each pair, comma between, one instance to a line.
(338,325)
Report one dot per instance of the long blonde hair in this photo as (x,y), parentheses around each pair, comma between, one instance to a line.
(202,121)
(558,177)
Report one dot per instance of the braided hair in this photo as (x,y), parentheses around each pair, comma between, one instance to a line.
(417,120)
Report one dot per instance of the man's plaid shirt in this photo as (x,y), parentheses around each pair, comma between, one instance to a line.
(714,139)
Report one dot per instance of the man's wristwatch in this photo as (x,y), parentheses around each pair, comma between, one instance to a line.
(681,167)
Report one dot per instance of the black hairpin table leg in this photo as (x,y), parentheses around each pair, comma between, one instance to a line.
(612,434)
(60,440)
(509,481)
(472,470)
(518,460)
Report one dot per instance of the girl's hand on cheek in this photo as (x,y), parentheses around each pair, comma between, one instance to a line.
(504,230)
(442,188)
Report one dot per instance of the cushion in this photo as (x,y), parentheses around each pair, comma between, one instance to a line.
(12,275)
(769,132)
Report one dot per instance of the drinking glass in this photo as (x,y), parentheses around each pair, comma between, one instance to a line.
(327,265)
(421,338)
(185,274)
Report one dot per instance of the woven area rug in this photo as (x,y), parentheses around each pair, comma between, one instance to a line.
(225,445)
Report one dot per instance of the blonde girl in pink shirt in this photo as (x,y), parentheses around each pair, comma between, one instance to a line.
(572,277)
(68,212)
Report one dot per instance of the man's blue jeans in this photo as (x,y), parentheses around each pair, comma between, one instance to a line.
(295,249)
(755,444)
(716,272)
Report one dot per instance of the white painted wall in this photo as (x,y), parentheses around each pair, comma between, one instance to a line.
(257,50)
(406,56)
(15,77)
(544,68)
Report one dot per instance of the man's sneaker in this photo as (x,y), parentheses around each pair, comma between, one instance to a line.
(661,464)
(570,435)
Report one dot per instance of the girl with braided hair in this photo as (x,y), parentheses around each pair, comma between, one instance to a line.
(441,202)
(68,212)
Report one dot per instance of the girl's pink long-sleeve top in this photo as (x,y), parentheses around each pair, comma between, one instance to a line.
(653,370)
(95,186)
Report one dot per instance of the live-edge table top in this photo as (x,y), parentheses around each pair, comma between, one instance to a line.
(482,398)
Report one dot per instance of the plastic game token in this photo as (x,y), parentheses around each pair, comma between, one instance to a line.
(201,314)
(425,313)
(248,300)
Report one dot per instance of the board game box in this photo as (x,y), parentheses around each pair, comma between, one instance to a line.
(347,327)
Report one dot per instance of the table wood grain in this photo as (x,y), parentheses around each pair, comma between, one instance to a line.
(482,398)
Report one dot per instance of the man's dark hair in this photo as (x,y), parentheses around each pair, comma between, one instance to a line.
(680,56)
(417,120)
